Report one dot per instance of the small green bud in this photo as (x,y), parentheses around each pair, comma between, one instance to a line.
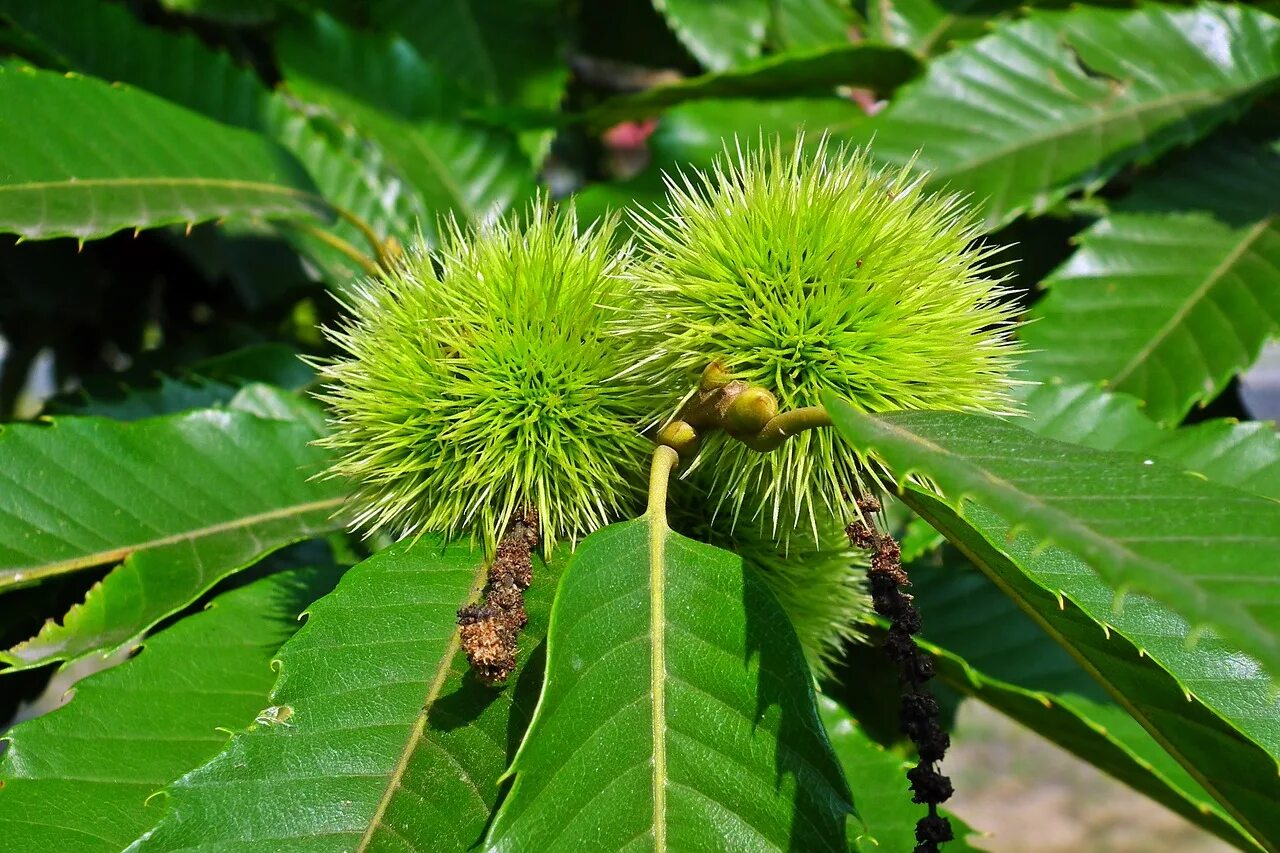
(750,411)
(679,436)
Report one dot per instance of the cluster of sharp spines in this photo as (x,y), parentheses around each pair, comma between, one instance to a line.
(521,362)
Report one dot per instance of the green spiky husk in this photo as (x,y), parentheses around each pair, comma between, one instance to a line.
(484,379)
(806,274)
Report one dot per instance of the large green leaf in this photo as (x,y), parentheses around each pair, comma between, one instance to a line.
(1206,551)
(988,648)
(1060,102)
(677,711)
(349,171)
(183,500)
(130,160)
(814,71)
(391,740)
(1176,291)
(880,788)
(389,94)
(1232,768)
(79,777)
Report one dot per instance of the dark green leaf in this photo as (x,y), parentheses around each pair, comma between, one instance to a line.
(350,172)
(194,387)
(988,648)
(1232,768)
(79,778)
(390,95)
(1242,455)
(1175,292)
(1206,551)
(677,711)
(814,71)
(183,500)
(809,23)
(1060,102)
(391,740)
(507,53)
(130,160)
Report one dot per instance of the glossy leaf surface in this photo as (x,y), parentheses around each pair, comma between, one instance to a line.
(1060,102)
(391,740)
(1175,292)
(677,711)
(131,161)
(183,501)
(1124,514)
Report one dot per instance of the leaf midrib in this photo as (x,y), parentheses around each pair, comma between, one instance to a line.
(441,675)
(1247,240)
(167,182)
(10,576)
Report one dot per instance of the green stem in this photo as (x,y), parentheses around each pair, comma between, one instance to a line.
(784,425)
(371,236)
(360,258)
(664,462)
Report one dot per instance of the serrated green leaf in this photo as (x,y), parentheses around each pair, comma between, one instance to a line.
(389,94)
(1232,768)
(1125,515)
(880,788)
(392,741)
(131,160)
(1175,292)
(183,500)
(349,171)
(677,710)
(1241,455)
(719,33)
(79,777)
(1060,102)
(987,647)
(812,71)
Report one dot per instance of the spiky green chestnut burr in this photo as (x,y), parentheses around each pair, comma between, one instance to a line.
(804,273)
(483,379)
